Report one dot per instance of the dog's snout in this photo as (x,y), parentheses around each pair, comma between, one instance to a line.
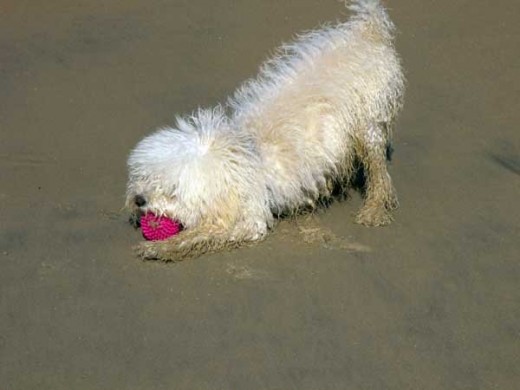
(139,200)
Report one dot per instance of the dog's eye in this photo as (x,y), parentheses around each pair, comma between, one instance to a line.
(139,200)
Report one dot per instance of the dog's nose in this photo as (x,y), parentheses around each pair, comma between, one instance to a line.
(140,201)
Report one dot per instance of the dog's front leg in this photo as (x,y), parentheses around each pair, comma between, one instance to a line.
(188,244)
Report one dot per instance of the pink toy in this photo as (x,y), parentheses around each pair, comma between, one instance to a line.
(160,228)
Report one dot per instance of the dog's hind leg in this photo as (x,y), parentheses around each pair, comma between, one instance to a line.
(380,195)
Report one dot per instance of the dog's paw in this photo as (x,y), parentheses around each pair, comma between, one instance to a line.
(374,216)
(147,250)
(159,250)
(392,202)
(173,250)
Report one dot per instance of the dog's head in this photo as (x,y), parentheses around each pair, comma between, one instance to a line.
(199,171)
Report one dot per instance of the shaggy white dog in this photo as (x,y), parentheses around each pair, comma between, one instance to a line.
(324,104)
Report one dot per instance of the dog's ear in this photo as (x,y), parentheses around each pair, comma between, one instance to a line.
(218,164)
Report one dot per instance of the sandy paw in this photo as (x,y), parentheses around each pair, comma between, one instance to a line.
(392,203)
(147,250)
(374,216)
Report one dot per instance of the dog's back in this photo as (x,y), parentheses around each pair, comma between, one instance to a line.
(308,104)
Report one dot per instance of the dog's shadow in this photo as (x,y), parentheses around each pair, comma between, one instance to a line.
(305,226)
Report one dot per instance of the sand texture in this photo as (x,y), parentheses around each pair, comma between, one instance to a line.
(430,302)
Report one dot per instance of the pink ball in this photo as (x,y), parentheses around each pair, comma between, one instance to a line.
(158,228)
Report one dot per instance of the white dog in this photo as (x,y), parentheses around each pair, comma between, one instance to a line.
(323,105)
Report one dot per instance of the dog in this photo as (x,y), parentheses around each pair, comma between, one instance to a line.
(324,105)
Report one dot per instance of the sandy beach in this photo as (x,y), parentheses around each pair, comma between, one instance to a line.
(430,302)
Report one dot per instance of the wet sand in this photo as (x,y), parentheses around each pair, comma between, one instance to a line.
(431,302)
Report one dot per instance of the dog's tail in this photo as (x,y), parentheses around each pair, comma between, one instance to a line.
(373,12)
